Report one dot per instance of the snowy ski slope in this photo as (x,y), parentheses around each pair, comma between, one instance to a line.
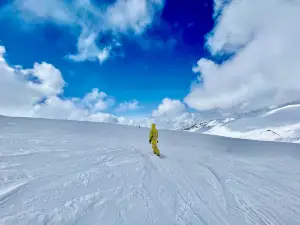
(65,172)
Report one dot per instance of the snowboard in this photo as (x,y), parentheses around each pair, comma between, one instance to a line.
(161,155)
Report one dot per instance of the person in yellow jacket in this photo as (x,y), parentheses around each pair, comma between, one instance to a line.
(153,139)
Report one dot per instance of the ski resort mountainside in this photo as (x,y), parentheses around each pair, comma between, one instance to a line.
(280,124)
(67,172)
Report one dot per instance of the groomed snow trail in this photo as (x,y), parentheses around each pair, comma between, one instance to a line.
(63,172)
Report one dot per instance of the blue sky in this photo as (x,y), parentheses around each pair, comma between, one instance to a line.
(148,67)
(122,60)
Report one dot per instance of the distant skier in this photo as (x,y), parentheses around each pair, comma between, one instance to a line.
(153,139)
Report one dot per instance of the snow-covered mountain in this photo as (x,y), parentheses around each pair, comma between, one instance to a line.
(279,124)
(67,172)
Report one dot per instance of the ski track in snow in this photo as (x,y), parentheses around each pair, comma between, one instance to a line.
(62,172)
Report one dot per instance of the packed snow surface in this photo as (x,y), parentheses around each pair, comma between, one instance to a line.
(64,172)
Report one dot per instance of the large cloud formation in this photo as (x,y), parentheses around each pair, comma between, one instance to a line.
(169,108)
(122,18)
(263,70)
(36,93)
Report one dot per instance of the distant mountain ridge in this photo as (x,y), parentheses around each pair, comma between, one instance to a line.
(275,124)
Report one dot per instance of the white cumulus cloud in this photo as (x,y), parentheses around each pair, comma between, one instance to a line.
(97,101)
(132,15)
(128,106)
(51,81)
(169,108)
(57,108)
(263,40)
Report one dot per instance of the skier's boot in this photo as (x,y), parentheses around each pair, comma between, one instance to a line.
(157,153)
